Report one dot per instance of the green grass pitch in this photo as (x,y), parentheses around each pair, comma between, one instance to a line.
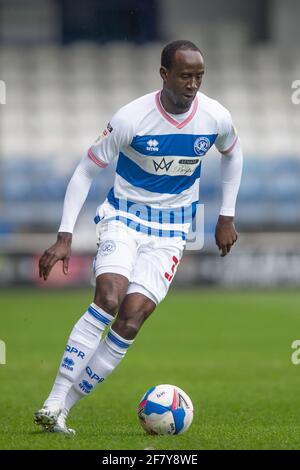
(230,351)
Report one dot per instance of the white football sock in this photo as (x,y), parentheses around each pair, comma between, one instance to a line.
(109,354)
(82,344)
(72,397)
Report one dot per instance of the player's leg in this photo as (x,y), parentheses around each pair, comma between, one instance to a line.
(134,310)
(154,270)
(113,264)
(82,344)
(86,334)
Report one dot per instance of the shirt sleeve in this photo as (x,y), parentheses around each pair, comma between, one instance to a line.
(227,135)
(116,136)
(77,192)
(231,172)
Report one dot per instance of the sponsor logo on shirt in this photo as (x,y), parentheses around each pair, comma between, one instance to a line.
(106,132)
(189,162)
(152,145)
(180,170)
(186,166)
(162,165)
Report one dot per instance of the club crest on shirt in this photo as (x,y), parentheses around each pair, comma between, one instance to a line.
(107,247)
(201,145)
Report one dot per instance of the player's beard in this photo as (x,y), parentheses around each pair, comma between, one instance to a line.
(184,106)
(181,104)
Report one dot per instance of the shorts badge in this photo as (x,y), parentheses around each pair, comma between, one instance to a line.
(107,247)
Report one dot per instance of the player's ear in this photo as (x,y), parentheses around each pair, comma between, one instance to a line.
(163,73)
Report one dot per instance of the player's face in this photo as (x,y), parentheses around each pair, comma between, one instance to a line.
(183,79)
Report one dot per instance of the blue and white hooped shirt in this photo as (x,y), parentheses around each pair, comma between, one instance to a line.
(156,186)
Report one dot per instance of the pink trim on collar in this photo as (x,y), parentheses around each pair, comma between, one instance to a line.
(175,123)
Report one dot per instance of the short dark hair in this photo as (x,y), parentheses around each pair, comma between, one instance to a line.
(168,52)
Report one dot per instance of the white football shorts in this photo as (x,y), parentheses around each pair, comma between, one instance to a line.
(149,262)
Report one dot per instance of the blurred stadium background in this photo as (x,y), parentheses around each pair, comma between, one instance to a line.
(68,65)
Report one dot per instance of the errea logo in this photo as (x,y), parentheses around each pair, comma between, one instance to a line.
(152,145)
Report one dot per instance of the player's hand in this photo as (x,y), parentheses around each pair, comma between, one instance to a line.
(225,234)
(61,250)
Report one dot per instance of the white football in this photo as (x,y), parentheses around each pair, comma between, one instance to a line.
(165,409)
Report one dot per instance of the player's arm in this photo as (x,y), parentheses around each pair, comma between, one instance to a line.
(229,146)
(117,135)
(231,171)
(76,194)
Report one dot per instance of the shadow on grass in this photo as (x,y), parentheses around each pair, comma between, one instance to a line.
(86,434)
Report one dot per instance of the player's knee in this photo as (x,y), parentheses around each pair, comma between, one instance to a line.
(110,291)
(128,329)
(128,326)
(108,302)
